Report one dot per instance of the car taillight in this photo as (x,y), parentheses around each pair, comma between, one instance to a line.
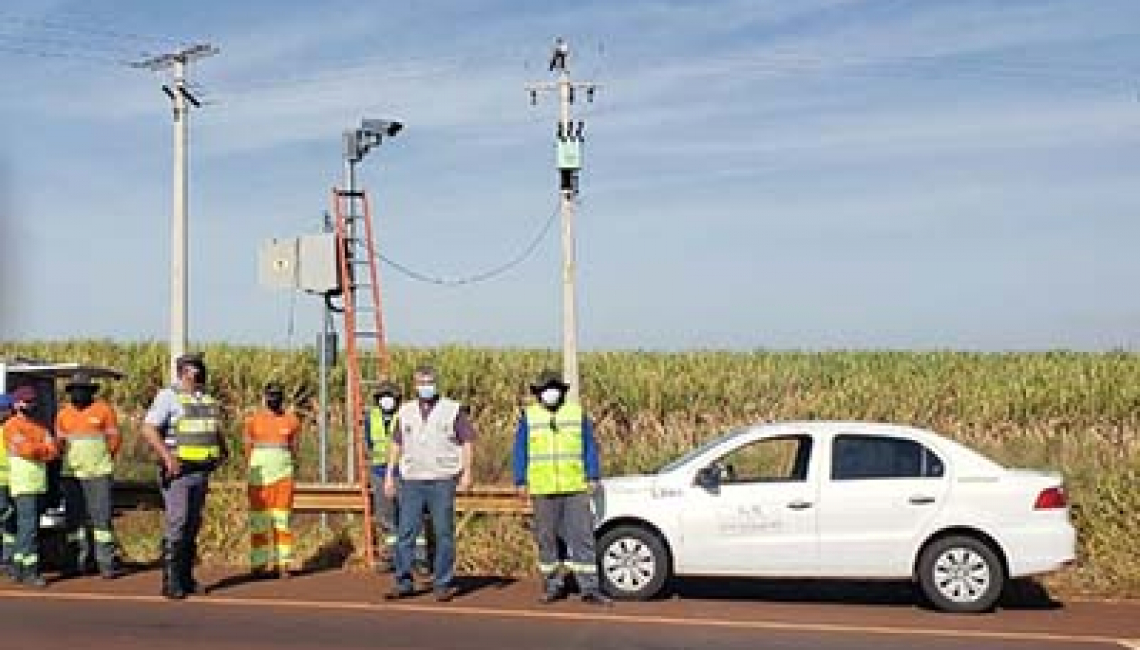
(1051,499)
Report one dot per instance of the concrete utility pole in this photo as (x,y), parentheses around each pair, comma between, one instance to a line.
(568,147)
(181,99)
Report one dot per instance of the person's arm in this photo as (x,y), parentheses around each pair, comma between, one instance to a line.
(590,459)
(295,439)
(60,432)
(395,448)
(521,455)
(465,432)
(157,416)
(111,430)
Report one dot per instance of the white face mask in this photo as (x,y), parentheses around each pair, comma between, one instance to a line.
(387,403)
(550,396)
(426,391)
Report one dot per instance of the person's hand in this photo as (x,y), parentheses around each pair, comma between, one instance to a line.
(389,487)
(173,467)
(522,491)
(464,482)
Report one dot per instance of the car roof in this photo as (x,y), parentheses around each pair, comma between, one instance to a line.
(966,459)
(51,370)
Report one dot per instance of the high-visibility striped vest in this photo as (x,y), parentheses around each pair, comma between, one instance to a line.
(381,433)
(26,476)
(555,446)
(196,432)
(5,472)
(87,454)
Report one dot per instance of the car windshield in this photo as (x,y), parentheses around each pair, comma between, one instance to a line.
(697,451)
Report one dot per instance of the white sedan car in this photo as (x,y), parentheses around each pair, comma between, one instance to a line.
(835,500)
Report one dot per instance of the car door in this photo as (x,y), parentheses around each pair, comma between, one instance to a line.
(759,517)
(879,497)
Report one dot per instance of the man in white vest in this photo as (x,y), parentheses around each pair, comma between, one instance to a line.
(432,447)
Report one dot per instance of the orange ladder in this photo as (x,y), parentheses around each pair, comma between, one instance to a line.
(367,358)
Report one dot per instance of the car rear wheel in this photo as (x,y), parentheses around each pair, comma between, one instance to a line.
(633,562)
(961,574)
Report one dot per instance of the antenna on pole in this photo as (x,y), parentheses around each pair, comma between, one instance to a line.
(568,138)
(181,99)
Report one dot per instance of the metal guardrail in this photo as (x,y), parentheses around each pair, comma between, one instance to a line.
(332,497)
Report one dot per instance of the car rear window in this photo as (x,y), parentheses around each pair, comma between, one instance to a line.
(862,457)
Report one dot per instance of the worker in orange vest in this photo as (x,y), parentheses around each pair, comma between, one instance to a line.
(271,438)
(30,446)
(88,433)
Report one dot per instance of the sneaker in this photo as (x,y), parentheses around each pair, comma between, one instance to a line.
(399,593)
(445,594)
(597,598)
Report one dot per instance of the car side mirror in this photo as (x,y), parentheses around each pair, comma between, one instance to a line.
(709,476)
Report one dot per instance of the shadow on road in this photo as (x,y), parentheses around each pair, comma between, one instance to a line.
(466,585)
(1022,594)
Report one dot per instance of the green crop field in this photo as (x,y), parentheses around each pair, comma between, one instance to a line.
(1073,412)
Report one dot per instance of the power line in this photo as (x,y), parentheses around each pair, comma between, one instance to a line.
(54,24)
(482,276)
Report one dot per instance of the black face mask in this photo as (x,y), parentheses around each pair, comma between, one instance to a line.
(82,398)
(275,403)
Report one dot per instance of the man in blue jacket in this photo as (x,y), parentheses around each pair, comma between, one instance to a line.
(556,463)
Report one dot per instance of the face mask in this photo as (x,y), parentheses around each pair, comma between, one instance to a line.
(550,396)
(82,399)
(426,391)
(274,402)
(387,403)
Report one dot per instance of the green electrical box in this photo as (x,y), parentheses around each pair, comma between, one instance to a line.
(569,154)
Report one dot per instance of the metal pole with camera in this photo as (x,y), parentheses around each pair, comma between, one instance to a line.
(357,143)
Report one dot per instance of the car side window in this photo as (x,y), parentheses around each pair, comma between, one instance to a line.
(862,457)
(780,459)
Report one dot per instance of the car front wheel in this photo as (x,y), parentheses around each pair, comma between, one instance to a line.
(961,574)
(634,563)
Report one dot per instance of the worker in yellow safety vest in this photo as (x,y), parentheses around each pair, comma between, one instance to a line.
(556,464)
(379,426)
(30,446)
(183,427)
(7,505)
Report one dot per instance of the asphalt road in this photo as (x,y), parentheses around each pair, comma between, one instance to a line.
(342,611)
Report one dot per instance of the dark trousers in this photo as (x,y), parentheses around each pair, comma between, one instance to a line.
(566,517)
(26,557)
(386,511)
(438,497)
(184,498)
(7,526)
(89,520)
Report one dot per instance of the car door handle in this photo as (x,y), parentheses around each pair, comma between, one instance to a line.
(921,500)
(800,505)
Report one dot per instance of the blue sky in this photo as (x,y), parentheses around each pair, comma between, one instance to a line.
(760,173)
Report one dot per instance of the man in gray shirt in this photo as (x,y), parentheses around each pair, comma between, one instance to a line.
(183,427)
(433,449)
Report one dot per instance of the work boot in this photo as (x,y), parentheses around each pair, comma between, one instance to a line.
(171,585)
(185,567)
(597,598)
(112,570)
(31,577)
(550,596)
